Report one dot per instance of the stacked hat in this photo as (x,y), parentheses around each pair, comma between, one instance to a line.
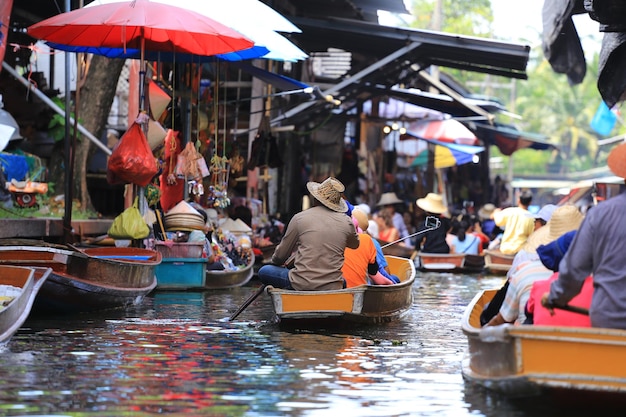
(184,217)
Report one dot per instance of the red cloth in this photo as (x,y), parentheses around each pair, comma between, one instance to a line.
(542,316)
(171,194)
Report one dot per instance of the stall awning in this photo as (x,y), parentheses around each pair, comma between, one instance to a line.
(508,139)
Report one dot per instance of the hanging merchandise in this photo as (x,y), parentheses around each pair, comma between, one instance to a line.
(171,188)
(129,225)
(131,160)
(191,164)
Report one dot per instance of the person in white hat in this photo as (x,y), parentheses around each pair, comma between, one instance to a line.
(317,238)
(598,249)
(434,241)
(390,201)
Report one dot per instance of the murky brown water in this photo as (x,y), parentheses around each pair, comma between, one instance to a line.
(177,354)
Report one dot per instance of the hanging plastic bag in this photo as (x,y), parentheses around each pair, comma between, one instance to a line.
(129,225)
(131,160)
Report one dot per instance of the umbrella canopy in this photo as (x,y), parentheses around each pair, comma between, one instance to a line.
(255,20)
(447,155)
(446,130)
(141,25)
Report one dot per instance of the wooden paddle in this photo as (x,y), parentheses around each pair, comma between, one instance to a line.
(246,303)
(573,309)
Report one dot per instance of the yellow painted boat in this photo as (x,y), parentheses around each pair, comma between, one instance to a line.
(556,361)
(363,304)
(497,262)
(450,262)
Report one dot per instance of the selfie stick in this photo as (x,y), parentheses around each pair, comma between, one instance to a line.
(437,224)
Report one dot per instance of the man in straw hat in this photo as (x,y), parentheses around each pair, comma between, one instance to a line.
(434,241)
(316,238)
(598,249)
(564,219)
(390,201)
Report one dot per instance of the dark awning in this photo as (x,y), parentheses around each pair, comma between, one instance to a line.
(508,139)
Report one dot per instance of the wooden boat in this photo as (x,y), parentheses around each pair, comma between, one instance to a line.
(87,280)
(397,250)
(18,288)
(368,304)
(230,279)
(497,262)
(450,262)
(555,361)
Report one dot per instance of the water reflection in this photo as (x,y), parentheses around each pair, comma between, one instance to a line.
(177,354)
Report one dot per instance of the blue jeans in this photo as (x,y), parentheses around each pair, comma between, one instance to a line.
(276,276)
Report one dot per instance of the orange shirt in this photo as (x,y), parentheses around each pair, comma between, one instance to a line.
(356,261)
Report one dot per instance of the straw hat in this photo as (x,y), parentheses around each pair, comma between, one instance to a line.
(329,193)
(617,160)
(486,211)
(432,203)
(388,199)
(361,219)
(564,219)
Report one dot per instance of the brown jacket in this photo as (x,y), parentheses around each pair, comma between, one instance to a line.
(319,236)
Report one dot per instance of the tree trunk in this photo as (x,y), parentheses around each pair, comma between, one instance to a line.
(95,101)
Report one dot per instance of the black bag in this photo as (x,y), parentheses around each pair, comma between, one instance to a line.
(492,309)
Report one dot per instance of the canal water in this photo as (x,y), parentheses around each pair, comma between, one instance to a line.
(177,354)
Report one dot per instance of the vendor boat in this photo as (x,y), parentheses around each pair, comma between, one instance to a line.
(366,304)
(18,288)
(450,262)
(497,262)
(87,279)
(568,363)
(222,279)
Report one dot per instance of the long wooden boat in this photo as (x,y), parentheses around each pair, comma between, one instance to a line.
(367,304)
(87,280)
(222,279)
(497,262)
(553,361)
(18,289)
(450,262)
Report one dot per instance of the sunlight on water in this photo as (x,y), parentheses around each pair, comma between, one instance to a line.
(176,354)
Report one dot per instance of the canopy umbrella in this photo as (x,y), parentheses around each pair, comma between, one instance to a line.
(446,130)
(416,151)
(252,18)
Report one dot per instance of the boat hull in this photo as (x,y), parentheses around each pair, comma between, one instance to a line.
(450,262)
(366,304)
(86,280)
(230,279)
(527,360)
(26,283)
(497,262)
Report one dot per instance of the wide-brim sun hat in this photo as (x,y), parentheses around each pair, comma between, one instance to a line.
(564,219)
(486,211)
(617,160)
(432,203)
(361,219)
(329,194)
(388,199)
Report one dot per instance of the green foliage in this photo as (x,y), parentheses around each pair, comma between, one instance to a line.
(56,125)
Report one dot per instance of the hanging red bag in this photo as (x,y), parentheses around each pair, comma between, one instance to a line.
(131,160)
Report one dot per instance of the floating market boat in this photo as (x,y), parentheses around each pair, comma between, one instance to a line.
(497,262)
(87,279)
(18,288)
(556,361)
(221,279)
(368,304)
(450,262)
